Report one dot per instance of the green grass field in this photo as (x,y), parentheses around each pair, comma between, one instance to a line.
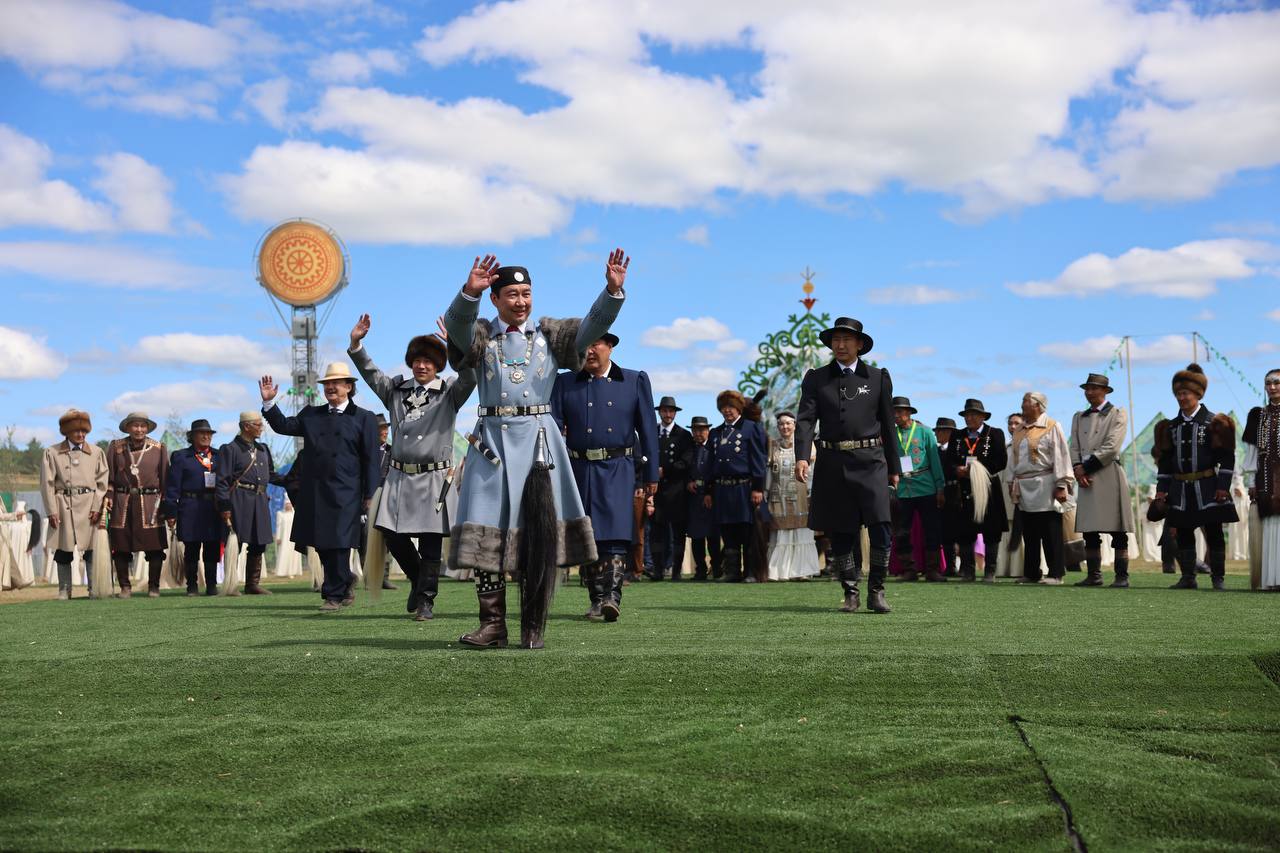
(710,717)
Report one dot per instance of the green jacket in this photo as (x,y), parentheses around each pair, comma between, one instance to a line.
(927,478)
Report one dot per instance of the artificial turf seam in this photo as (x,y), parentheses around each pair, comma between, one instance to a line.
(1073,834)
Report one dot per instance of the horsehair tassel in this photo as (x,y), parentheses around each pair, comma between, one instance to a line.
(538,542)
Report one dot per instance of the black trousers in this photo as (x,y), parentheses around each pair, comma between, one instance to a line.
(412,559)
(1042,530)
(1119,540)
(967,547)
(701,548)
(879,535)
(904,511)
(667,546)
(337,573)
(191,557)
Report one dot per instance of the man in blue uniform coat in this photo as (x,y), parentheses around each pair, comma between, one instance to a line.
(735,486)
(244,470)
(343,471)
(606,412)
(846,407)
(189,503)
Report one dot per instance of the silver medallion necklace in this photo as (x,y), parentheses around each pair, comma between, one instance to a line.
(517,365)
(135,461)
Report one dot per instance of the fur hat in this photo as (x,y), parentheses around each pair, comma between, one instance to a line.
(429,347)
(732,398)
(1192,378)
(74,419)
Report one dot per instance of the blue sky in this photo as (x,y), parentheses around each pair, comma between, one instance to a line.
(999,193)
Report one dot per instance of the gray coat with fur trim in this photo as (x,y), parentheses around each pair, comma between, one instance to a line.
(518,369)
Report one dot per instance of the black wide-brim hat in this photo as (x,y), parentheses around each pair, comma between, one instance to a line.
(668,403)
(847,324)
(201,425)
(1099,380)
(973,405)
(510,275)
(609,338)
(382,421)
(945,423)
(699,421)
(903,403)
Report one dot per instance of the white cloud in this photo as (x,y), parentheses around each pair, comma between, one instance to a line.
(1189,271)
(915,352)
(53,410)
(25,356)
(22,433)
(1206,315)
(731,345)
(679,380)
(186,399)
(1169,348)
(105,266)
(377,199)
(1248,228)
(224,353)
(27,197)
(95,34)
(1275,315)
(270,99)
(349,66)
(138,191)
(913,294)
(684,332)
(698,235)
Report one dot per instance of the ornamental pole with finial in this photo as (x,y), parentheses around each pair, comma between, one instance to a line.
(809,300)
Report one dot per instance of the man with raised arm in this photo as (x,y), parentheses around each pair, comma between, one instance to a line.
(519,510)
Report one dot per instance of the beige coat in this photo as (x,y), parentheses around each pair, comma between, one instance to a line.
(1096,442)
(60,471)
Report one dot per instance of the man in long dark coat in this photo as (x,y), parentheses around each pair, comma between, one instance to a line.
(343,471)
(849,405)
(190,503)
(704,534)
(245,469)
(983,444)
(671,503)
(606,412)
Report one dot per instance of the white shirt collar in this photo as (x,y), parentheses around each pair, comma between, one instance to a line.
(502,326)
(1191,416)
(342,407)
(853,365)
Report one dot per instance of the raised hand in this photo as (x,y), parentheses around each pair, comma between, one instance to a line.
(484,272)
(615,271)
(360,329)
(268,389)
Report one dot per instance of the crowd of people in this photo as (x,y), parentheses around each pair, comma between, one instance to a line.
(568,466)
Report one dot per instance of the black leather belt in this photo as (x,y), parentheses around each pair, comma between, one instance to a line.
(136,492)
(82,490)
(512,411)
(207,493)
(599,454)
(732,481)
(420,467)
(852,444)
(252,487)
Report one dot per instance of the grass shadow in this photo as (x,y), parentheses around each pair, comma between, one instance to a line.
(402,645)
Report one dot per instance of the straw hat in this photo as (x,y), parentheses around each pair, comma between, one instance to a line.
(137,416)
(337,370)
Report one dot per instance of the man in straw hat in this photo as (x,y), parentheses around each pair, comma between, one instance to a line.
(974,459)
(418,500)
(190,504)
(519,510)
(1042,482)
(73,486)
(137,466)
(846,407)
(1104,505)
(606,412)
(1195,454)
(919,494)
(244,470)
(341,474)
(671,503)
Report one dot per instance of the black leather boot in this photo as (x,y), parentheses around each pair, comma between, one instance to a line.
(842,567)
(1218,567)
(591,580)
(1093,560)
(425,590)
(120,562)
(491,590)
(1122,570)
(731,558)
(1187,563)
(931,573)
(613,571)
(875,582)
(253,576)
(192,571)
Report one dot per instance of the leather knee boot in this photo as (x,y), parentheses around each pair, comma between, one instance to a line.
(154,569)
(875,582)
(612,573)
(595,594)
(491,590)
(842,567)
(425,590)
(731,558)
(931,573)
(211,576)
(253,576)
(1093,560)
(968,561)
(1187,564)
(1122,570)
(191,571)
(121,564)
(1218,567)
(64,581)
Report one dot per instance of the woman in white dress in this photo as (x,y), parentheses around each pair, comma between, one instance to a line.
(1262,477)
(792,553)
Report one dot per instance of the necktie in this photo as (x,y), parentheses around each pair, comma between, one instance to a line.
(513,329)
(664,432)
(333,410)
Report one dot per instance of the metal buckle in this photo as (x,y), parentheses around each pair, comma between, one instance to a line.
(596,454)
